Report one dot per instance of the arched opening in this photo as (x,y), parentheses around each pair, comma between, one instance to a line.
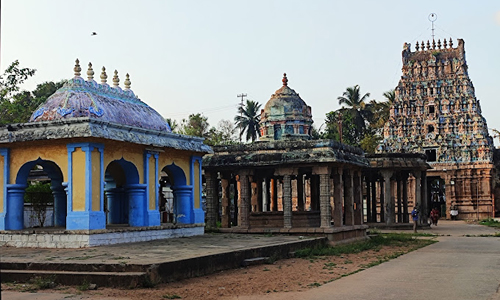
(125,201)
(176,197)
(38,198)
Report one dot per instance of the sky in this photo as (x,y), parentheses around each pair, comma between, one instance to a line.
(195,56)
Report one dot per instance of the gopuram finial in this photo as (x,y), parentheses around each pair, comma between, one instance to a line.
(285,80)
(451,43)
(127,82)
(77,68)
(104,76)
(90,73)
(116,80)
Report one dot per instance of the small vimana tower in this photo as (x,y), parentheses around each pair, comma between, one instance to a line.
(436,112)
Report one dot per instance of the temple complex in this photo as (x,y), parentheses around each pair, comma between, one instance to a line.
(104,151)
(286,182)
(436,113)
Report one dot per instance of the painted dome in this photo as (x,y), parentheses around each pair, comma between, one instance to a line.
(285,116)
(86,98)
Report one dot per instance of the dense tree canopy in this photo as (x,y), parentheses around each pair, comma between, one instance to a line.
(362,122)
(16,106)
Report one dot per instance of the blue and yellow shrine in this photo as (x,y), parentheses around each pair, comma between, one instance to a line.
(104,150)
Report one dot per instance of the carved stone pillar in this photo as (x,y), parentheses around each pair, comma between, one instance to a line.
(399,199)
(244,201)
(212,199)
(368,199)
(254,196)
(300,192)
(405,199)
(338,193)
(274,194)
(348,198)
(287,201)
(374,199)
(226,210)
(358,198)
(389,206)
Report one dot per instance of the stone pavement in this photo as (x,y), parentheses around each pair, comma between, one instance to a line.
(458,267)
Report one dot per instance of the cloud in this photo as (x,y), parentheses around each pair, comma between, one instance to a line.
(497,17)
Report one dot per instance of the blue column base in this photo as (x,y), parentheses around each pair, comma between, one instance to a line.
(84,220)
(2,221)
(183,206)
(153,218)
(199,216)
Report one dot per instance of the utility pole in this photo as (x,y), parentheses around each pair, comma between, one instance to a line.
(242,95)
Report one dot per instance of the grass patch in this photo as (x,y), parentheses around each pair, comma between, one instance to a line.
(173,296)
(43,283)
(374,243)
(490,222)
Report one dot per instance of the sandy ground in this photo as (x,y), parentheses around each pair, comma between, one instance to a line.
(287,275)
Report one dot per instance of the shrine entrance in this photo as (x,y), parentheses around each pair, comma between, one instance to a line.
(436,194)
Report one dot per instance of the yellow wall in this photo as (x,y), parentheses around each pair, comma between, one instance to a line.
(129,152)
(96,180)
(152,183)
(78,178)
(53,151)
(179,158)
(196,171)
(1,183)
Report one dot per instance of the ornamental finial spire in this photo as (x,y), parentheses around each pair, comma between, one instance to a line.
(127,82)
(77,68)
(104,76)
(285,80)
(116,80)
(90,73)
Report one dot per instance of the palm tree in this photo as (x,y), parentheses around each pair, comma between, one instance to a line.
(248,120)
(352,98)
(381,110)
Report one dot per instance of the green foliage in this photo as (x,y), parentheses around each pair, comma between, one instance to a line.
(43,283)
(12,78)
(374,242)
(248,120)
(173,296)
(222,135)
(39,195)
(370,142)
(490,222)
(174,126)
(195,125)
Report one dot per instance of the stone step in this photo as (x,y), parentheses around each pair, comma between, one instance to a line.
(101,279)
(255,261)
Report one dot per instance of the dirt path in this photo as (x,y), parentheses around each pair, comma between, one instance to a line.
(297,274)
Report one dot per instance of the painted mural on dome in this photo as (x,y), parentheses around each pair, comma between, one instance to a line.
(87,98)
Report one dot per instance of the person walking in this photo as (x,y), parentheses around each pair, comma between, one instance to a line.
(434,216)
(414,216)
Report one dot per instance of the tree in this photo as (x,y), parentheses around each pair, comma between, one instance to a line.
(17,106)
(196,125)
(12,78)
(249,120)
(174,126)
(351,133)
(222,135)
(356,103)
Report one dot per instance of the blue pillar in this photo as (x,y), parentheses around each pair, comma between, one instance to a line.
(198,213)
(5,153)
(183,204)
(137,204)
(60,207)
(87,219)
(115,205)
(14,217)
(153,215)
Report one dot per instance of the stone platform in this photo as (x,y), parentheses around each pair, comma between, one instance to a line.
(58,237)
(136,264)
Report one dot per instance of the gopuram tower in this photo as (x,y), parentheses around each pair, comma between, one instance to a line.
(436,112)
